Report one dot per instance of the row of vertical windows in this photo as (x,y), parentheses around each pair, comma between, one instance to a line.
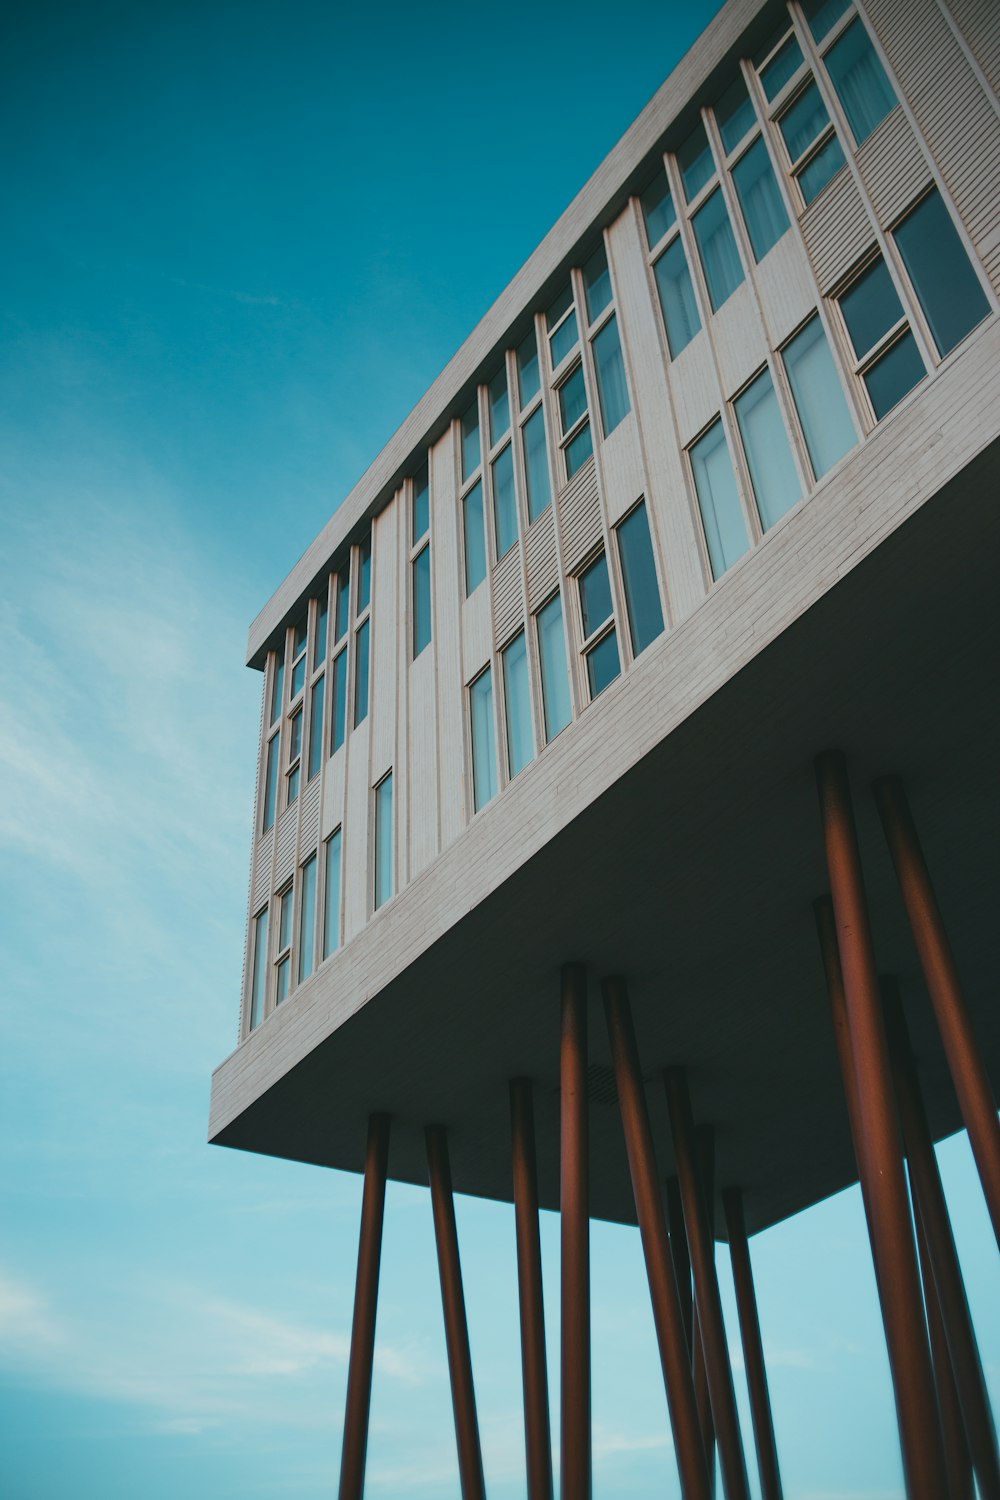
(285,950)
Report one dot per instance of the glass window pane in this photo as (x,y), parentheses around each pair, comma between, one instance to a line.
(857,74)
(720,258)
(470,441)
(695,161)
(475,537)
(820,169)
(579,450)
(307,920)
(343,601)
(277,688)
(295,737)
(299,637)
(870,306)
(484,749)
(365,573)
(293,786)
(936,261)
(317,699)
(422,600)
(504,501)
(338,678)
(499,406)
(680,310)
(658,209)
(823,14)
(384,872)
(642,594)
(562,338)
(258,982)
(559,308)
(331,897)
(734,114)
(284,981)
(595,595)
(804,121)
(603,665)
(271,781)
(517,698)
(597,283)
(555,668)
(768,451)
(421,505)
(763,208)
(528,377)
(285,919)
(819,399)
(612,388)
(298,677)
(783,65)
(893,374)
(361,675)
(572,399)
(718,500)
(319,644)
(536,464)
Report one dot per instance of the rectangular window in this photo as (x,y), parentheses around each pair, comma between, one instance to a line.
(364,574)
(572,396)
(528,375)
(939,268)
(331,896)
(273,760)
(889,360)
(555,668)
(819,399)
(317,696)
(283,957)
(421,506)
(517,700)
(782,67)
(609,366)
(361,674)
(338,678)
(600,645)
(475,537)
(857,74)
(761,203)
(720,258)
(768,451)
(384,871)
(300,638)
(258,972)
(597,283)
(803,124)
(735,114)
(470,441)
(695,161)
(561,323)
(421,600)
(484,746)
(499,406)
(504,501)
(343,602)
(658,209)
(680,310)
(277,687)
(319,644)
(294,757)
(822,15)
(536,464)
(642,594)
(718,500)
(307,920)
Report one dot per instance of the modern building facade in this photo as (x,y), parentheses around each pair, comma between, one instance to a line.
(701,519)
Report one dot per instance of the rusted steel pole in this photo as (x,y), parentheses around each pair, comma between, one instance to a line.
(928,1193)
(753,1348)
(670,1337)
(537,1432)
(972,1085)
(706,1288)
(456,1328)
(956,1449)
(359,1367)
(892,1236)
(705,1144)
(574,1202)
(680,1256)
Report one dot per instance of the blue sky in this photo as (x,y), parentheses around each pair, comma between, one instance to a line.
(240,241)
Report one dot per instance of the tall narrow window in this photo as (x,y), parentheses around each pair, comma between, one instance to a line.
(597,283)
(470,441)
(718,500)
(600,644)
(937,264)
(319,641)
(420,563)
(578,444)
(338,678)
(384,871)
(484,746)
(475,537)
(536,464)
(680,310)
(364,574)
(720,258)
(781,68)
(361,673)
(658,211)
(517,700)
(609,366)
(283,956)
(331,896)
(300,638)
(761,203)
(857,74)
(317,699)
(499,406)
(504,501)
(695,161)
(277,686)
(561,323)
(258,972)
(734,114)
(555,667)
(292,775)
(768,452)
(819,399)
(271,768)
(822,15)
(528,374)
(642,594)
(307,919)
(889,361)
(421,522)
(814,152)
(342,617)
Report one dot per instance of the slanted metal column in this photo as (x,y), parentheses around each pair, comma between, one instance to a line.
(972,1085)
(705,1141)
(667,1316)
(537,1432)
(456,1328)
(880,1149)
(575,1226)
(706,1285)
(680,1256)
(359,1368)
(958,1462)
(753,1348)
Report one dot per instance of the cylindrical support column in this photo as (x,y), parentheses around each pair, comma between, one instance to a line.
(972,1085)
(574,1203)
(956,1449)
(706,1288)
(456,1328)
(537,1432)
(928,1193)
(667,1318)
(753,1348)
(882,1162)
(680,1256)
(705,1142)
(359,1368)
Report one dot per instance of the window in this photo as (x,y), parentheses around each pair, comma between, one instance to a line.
(338,667)
(857,74)
(272,762)
(499,404)
(768,453)
(721,513)
(319,637)
(504,501)
(292,775)
(642,594)
(343,601)
(384,882)
(680,310)
(470,442)
(258,971)
(814,151)
(484,747)
(760,199)
(331,895)
(781,68)
(597,284)
(600,645)
(658,210)
(609,367)
(361,672)
(720,258)
(695,161)
(283,956)
(536,464)
(307,919)
(277,687)
(889,361)
(421,508)
(300,637)
(936,262)
(314,728)
(517,700)
(420,564)
(574,419)
(338,679)
(529,380)
(819,400)
(822,15)
(317,699)
(555,668)
(364,574)
(561,323)
(735,114)
(475,537)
